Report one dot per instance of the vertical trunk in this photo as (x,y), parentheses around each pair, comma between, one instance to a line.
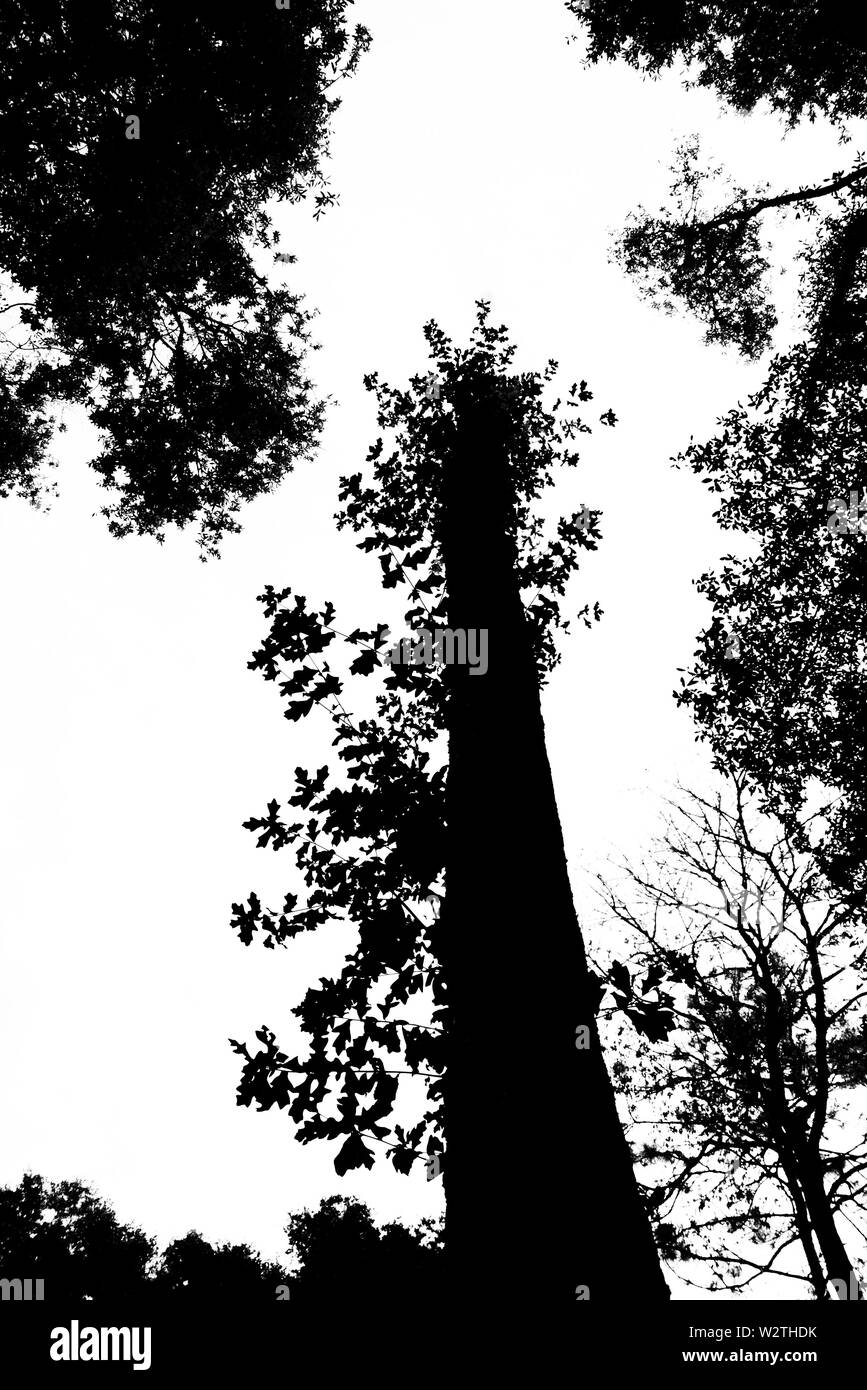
(777,1117)
(837,1262)
(541,1195)
(798,1144)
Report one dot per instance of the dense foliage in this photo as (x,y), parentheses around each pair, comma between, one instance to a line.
(140,145)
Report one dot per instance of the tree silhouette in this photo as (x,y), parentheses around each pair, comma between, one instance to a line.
(63,1233)
(778,682)
(70,1238)
(709,255)
(793,56)
(502,1053)
(141,142)
(347,1261)
(192,1269)
(757,970)
(713,259)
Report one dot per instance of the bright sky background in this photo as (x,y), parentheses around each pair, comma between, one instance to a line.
(475,158)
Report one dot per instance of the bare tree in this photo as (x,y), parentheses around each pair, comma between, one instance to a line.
(753,1001)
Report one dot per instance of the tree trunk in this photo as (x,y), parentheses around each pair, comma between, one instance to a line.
(837,1262)
(542,1202)
(792,1170)
(797,1143)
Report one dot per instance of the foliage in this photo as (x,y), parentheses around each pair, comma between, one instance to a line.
(192,1268)
(370,846)
(344,1256)
(787,704)
(62,1233)
(65,1235)
(798,58)
(714,264)
(778,681)
(131,283)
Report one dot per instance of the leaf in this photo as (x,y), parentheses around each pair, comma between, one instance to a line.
(654,1021)
(354,1154)
(330,685)
(403,1159)
(620,978)
(595,990)
(654,976)
(365,663)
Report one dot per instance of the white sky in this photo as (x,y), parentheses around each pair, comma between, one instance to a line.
(474,158)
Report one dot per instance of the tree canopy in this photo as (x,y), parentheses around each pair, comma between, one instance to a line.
(706,248)
(141,143)
(65,1234)
(191,1268)
(802,59)
(346,1260)
(68,1236)
(778,682)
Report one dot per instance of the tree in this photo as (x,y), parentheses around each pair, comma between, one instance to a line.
(192,1269)
(756,971)
(141,142)
(64,1234)
(347,1261)
(778,682)
(541,1200)
(799,59)
(712,257)
(794,59)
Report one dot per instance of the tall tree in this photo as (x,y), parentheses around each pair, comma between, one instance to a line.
(141,142)
(754,1142)
(541,1201)
(778,683)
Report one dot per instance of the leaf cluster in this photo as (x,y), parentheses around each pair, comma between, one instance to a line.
(131,287)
